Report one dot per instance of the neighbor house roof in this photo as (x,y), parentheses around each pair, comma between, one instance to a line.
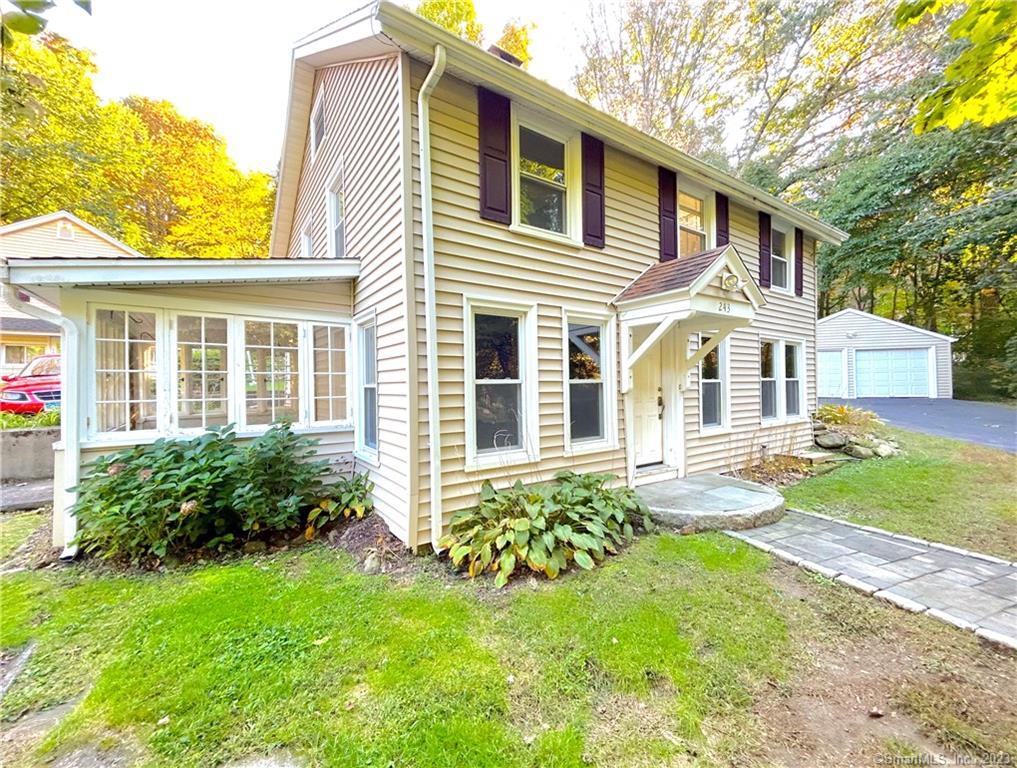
(670,275)
(886,320)
(62,247)
(28,325)
(383,28)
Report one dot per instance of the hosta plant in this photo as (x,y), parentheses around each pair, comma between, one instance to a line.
(546,528)
(347,497)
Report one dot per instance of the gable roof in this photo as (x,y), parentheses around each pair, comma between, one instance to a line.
(888,321)
(119,250)
(384,28)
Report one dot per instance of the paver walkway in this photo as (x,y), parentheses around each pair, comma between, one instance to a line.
(969,590)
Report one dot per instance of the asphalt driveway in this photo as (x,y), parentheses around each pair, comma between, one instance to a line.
(983,423)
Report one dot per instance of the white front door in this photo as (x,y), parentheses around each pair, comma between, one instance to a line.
(831,373)
(892,373)
(646,399)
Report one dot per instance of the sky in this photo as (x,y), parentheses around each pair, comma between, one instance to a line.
(227,62)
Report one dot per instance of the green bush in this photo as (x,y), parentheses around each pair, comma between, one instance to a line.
(546,527)
(849,419)
(41,419)
(174,496)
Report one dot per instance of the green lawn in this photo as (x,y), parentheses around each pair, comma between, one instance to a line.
(657,658)
(940,489)
(15,528)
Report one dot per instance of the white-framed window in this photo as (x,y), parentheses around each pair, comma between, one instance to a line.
(781,258)
(713,386)
(546,185)
(126,387)
(501,383)
(589,375)
(180,371)
(335,208)
(696,212)
(793,378)
(366,442)
(317,129)
(19,354)
(768,378)
(65,230)
(202,367)
(307,240)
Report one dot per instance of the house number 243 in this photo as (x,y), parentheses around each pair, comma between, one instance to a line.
(723,306)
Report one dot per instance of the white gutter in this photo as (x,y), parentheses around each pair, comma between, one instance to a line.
(69,416)
(430,311)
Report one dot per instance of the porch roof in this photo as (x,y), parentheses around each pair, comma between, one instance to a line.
(672,275)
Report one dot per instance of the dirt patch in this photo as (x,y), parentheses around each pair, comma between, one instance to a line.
(775,471)
(37,551)
(23,735)
(875,680)
(375,549)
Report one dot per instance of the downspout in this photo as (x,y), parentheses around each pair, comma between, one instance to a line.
(69,419)
(430,311)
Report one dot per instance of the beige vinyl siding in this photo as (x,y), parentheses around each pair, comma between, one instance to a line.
(870,332)
(334,296)
(784,316)
(363,135)
(41,242)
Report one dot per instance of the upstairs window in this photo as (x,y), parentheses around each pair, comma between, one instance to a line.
(768,379)
(691,224)
(306,241)
(336,218)
(317,125)
(542,182)
(779,259)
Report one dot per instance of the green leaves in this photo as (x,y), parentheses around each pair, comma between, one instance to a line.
(544,528)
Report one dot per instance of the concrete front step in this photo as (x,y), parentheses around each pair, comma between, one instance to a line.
(711,502)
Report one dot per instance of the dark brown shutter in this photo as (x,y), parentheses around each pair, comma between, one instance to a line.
(723,228)
(667,186)
(593,191)
(764,249)
(799,262)
(495,178)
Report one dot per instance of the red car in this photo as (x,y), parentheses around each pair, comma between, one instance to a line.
(37,387)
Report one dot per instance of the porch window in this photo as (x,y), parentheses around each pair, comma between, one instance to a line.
(768,378)
(336,218)
(367,360)
(125,371)
(202,380)
(586,384)
(271,372)
(792,379)
(712,381)
(329,356)
(691,224)
(779,259)
(497,383)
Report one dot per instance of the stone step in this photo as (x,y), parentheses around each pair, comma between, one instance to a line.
(821,457)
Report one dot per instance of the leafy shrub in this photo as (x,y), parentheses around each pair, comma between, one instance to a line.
(849,419)
(350,496)
(546,527)
(172,496)
(39,420)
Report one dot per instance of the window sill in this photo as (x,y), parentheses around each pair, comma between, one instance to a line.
(499,460)
(783,421)
(593,446)
(147,438)
(367,456)
(543,234)
(722,429)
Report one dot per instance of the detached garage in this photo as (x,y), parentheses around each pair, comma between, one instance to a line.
(864,355)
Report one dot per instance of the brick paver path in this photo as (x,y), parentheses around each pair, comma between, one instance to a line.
(967,589)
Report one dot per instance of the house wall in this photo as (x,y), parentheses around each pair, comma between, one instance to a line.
(364,137)
(477,256)
(870,332)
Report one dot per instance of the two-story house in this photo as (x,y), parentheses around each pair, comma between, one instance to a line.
(490,280)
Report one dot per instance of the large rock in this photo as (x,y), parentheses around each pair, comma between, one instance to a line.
(859,451)
(884,450)
(831,440)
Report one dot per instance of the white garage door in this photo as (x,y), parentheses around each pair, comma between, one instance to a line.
(892,373)
(831,373)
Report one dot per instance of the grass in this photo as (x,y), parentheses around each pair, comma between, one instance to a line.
(15,529)
(940,489)
(659,657)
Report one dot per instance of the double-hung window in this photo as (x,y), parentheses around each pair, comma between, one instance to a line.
(792,379)
(336,218)
(586,395)
(712,385)
(317,124)
(691,224)
(367,401)
(546,179)
(768,378)
(125,371)
(780,259)
(307,241)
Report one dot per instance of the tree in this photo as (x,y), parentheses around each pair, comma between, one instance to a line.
(515,38)
(457,16)
(979,85)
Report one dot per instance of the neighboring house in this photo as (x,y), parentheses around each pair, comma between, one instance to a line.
(23,337)
(864,355)
(473,276)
